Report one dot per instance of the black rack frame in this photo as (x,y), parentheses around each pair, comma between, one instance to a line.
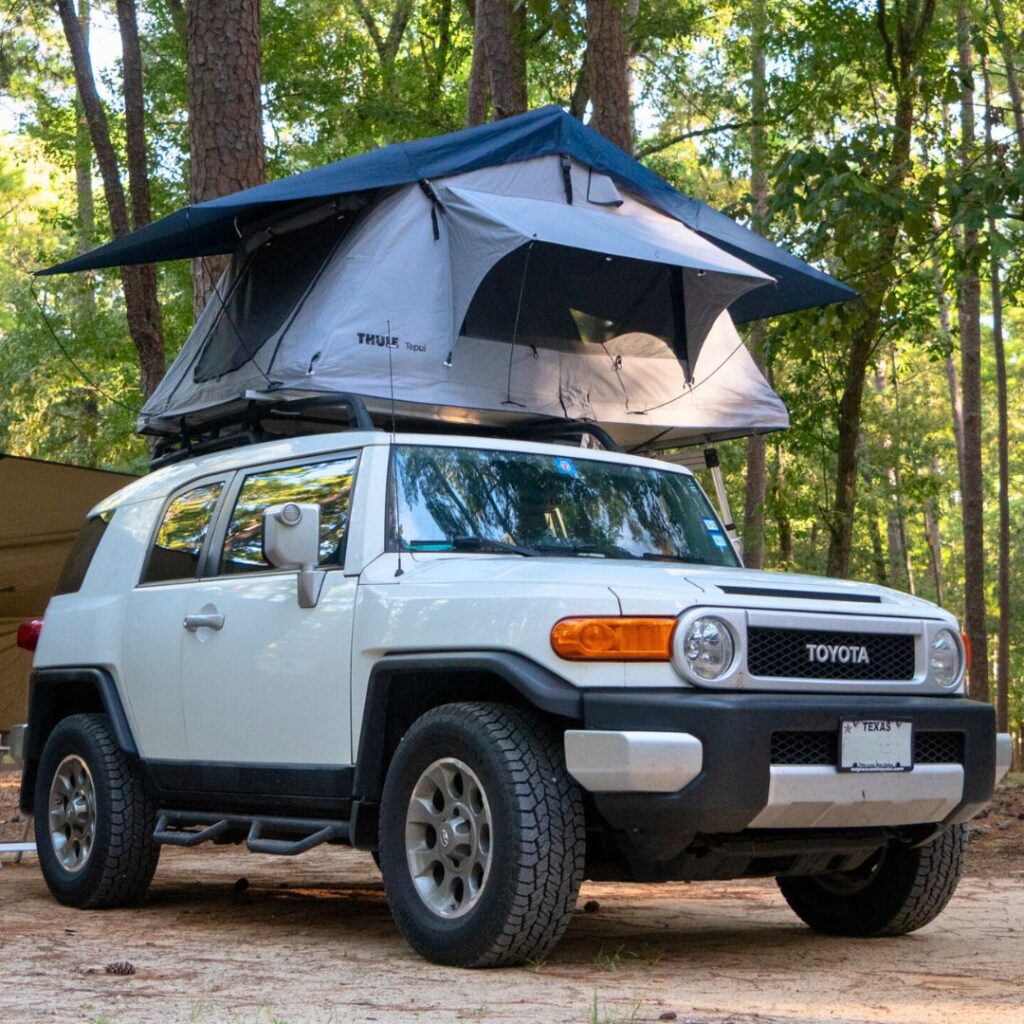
(247,425)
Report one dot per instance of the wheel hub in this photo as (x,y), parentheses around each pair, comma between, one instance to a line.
(72,820)
(448,838)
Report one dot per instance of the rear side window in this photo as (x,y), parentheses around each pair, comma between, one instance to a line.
(327,484)
(179,541)
(80,556)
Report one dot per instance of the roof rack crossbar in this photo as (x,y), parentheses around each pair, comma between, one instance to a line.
(208,437)
(561,428)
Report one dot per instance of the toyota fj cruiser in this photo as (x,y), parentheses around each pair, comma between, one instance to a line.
(503,667)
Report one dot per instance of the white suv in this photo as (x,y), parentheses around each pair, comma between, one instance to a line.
(502,666)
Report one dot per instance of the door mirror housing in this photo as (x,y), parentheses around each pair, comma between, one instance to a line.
(291,540)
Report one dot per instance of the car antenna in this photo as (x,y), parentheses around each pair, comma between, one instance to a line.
(391,383)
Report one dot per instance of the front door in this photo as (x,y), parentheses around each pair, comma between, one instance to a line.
(265,682)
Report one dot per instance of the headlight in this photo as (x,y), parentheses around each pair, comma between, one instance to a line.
(708,647)
(944,658)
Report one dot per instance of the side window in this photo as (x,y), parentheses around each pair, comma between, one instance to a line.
(72,576)
(179,541)
(328,484)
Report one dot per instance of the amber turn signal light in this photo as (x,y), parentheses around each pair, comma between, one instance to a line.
(613,638)
(967,649)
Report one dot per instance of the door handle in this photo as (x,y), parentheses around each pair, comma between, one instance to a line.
(208,621)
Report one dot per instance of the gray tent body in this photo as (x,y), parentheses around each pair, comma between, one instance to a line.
(489,297)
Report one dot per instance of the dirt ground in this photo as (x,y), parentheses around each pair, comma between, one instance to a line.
(310,940)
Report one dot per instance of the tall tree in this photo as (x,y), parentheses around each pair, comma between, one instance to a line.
(905,33)
(83,155)
(607,63)
(225,125)
(498,74)
(138,282)
(1010,52)
(972,472)
(1005,602)
(757,468)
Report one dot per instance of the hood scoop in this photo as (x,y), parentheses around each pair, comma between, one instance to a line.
(804,595)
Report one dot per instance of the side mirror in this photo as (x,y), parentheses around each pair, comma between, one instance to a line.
(291,540)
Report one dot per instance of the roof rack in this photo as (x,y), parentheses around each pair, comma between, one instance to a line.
(247,425)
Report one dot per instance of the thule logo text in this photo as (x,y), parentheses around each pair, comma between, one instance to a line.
(379,340)
(837,654)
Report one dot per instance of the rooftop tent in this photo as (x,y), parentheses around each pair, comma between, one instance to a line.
(488,293)
(523,269)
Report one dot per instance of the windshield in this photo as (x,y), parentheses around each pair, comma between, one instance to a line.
(466,499)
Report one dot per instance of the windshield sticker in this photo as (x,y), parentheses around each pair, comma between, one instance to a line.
(718,539)
(566,467)
(710,524)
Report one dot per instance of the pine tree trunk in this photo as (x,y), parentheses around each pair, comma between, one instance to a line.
(140,295)
(910,33)
(783,526)
(905,34)
(878,552)
(608,69)
(949,364)
(83,158)
(969,310)
(499,61)
(1010,57)
(150,319)
(757,471)
(934,538)
(225,130)
(999,348)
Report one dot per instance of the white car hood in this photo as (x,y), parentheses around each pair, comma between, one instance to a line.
(661,588)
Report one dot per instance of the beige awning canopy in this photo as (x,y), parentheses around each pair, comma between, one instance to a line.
(42,507)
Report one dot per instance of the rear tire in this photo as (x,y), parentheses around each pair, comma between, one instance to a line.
(898,890)
(94,819)
(482,838)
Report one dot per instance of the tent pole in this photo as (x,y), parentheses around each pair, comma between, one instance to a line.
(711,461)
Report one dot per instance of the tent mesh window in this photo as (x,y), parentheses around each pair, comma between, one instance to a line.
(267,290)
(573,299)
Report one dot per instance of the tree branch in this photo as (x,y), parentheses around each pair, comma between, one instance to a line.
(728,126)
(890,50)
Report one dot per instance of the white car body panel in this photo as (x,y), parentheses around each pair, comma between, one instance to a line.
(288,672)
(279,671)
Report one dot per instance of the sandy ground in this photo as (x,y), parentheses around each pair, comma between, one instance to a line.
(310,939)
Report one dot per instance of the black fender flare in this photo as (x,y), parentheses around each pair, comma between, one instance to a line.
(90,689)
(396,675)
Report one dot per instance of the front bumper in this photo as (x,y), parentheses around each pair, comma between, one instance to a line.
(730,784)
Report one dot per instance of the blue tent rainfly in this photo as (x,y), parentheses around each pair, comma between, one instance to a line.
(213,227)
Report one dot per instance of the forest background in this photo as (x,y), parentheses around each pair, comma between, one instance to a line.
(883,141)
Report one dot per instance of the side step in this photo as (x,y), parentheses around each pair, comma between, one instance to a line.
(179,828)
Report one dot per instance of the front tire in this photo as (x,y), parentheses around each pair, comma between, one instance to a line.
(94,819)
(896,891)
(482,837)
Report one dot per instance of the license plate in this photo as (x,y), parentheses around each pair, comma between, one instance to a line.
(876,745)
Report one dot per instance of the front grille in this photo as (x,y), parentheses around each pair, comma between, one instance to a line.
(939,748)
(817,748)
(812,654)
(805,747)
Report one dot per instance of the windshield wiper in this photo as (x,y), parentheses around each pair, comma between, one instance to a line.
(657,556)
(490,544)
(570,548)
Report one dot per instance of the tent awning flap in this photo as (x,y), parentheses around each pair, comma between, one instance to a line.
(639,238)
